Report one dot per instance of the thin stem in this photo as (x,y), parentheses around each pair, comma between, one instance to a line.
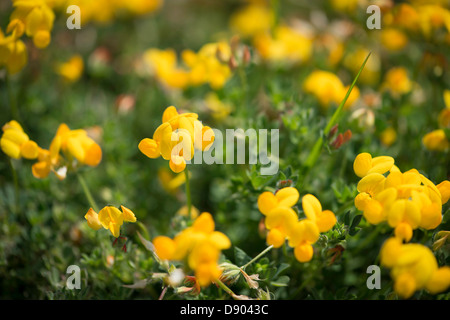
(258,256)
(188,192)
(11,98)
(16,186)
(163,293)
(87,192)
(224,287)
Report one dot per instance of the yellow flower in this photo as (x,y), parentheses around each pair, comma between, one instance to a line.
(371,72)
(413,267)
(71,70)
(109,218)
(328,88)
(364,164)
(407,201)
(16,144)
(73,144)
(13,52)
(436,140)
(177,138)
(200,244)
(38,19)
(397,81)
(388,136)
(287,45)
(393,39)
(282,221)
(163,65)
(252,20)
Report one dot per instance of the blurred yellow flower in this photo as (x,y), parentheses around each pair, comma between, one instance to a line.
(397,82)
(413,267)
(74,144)
(328,89)
(200,244)
(71,70)
(287,45)
(16,144)
(13,53)
(38,19)
(388,136)
(252,20)
(371,72)
(393,39)
(436,141)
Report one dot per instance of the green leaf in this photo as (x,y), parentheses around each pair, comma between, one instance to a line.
(241,258)
(281,282)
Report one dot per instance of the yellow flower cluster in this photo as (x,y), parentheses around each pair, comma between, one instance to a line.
(413,267)
(437,140)
(397,82)
(16,143)
(105,11)
(406,201)
(276,44)
(74,145)
(177,138)
(200,244)
(109,218)
(207,66)
(285,44)
(33,18)
(283,223)
(328,89)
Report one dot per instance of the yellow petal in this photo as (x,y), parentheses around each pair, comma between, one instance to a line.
(381,164)
(362,164)
(150,148)
(275,238)
(177,163)
(220,240)
(92,219)
(374,212)
(267,202)
(311,206)
(41,169)
(204,223)
(10,148)
(128,215)
(325,220)
(440,280)
(115,229)
(29,150)
(444,189)
(372,184)
(390,251)
(287,197)
(304,252)
(404,231)
(169,113)
(405,285)
(110,215)
(164,247)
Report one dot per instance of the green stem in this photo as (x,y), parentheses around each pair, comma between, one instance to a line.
(314,155)
(224,287)
(87,192)
(369,239)
(16,186)
(258,256)
(12,100)
(188,192)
